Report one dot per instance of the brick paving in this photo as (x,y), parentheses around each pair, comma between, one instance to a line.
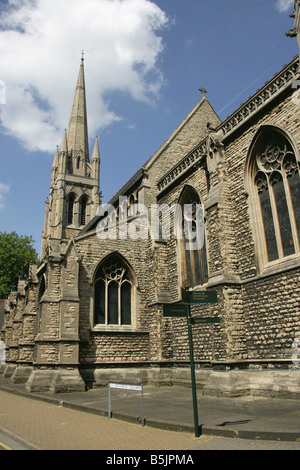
(51,427)
(224,443)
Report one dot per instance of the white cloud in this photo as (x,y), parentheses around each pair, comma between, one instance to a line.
(4,189)
(40,44)
(284,5)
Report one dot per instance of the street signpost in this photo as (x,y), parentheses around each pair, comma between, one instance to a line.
(174,310)
(184,310)
(199,297)
(134,388)
(205,320)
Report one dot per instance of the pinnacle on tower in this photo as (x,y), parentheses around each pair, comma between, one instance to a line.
(63,154)
(55,166)
(96,160)
(64,145)
(56,157)
(96,153)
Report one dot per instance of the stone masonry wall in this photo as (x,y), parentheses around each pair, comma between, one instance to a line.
(270,304)
(116,345)
(259,315)
(192,132)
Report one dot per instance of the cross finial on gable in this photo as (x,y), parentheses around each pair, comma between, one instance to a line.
(203,91)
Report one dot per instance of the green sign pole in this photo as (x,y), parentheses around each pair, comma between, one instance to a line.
(184,310)
(194,390)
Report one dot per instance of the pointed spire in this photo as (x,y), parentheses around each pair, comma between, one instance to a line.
(77,130)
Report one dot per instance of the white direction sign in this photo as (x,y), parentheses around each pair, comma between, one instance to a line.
(135,388)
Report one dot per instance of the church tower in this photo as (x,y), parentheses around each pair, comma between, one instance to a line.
(74,189)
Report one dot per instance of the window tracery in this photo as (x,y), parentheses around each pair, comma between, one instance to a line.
(113,293)
(277,182)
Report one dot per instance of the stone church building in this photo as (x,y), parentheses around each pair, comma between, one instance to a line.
(93,310)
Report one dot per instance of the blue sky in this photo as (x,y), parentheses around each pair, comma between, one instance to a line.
(144,64)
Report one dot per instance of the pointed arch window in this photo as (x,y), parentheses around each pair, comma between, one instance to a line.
(275,172)
(192,243)
(70,209)
(113,293)
(83,210)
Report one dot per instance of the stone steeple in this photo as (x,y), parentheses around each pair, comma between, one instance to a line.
(74,190)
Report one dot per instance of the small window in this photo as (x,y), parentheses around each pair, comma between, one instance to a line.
(83,207)
(71,201)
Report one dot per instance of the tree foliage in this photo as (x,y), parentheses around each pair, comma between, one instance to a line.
(16,254)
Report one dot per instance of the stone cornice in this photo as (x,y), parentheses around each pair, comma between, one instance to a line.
(189,161)
(272,89)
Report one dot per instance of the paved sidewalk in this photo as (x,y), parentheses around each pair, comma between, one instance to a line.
(45,426)
(171,408)
(29,424)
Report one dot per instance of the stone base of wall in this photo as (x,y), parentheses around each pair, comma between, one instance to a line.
(9,370)
(275,384)
(21,374)
(55,381)
(230,383)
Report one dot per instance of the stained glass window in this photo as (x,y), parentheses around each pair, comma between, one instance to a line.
(278,187)
(292,173)
(193,246)
(267,218)
(113,293)
(100,302)
(126,303)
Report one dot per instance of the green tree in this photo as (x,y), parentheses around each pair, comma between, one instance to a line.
(16,254)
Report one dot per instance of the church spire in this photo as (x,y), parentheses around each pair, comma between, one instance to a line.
(74,195)
(78,130)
